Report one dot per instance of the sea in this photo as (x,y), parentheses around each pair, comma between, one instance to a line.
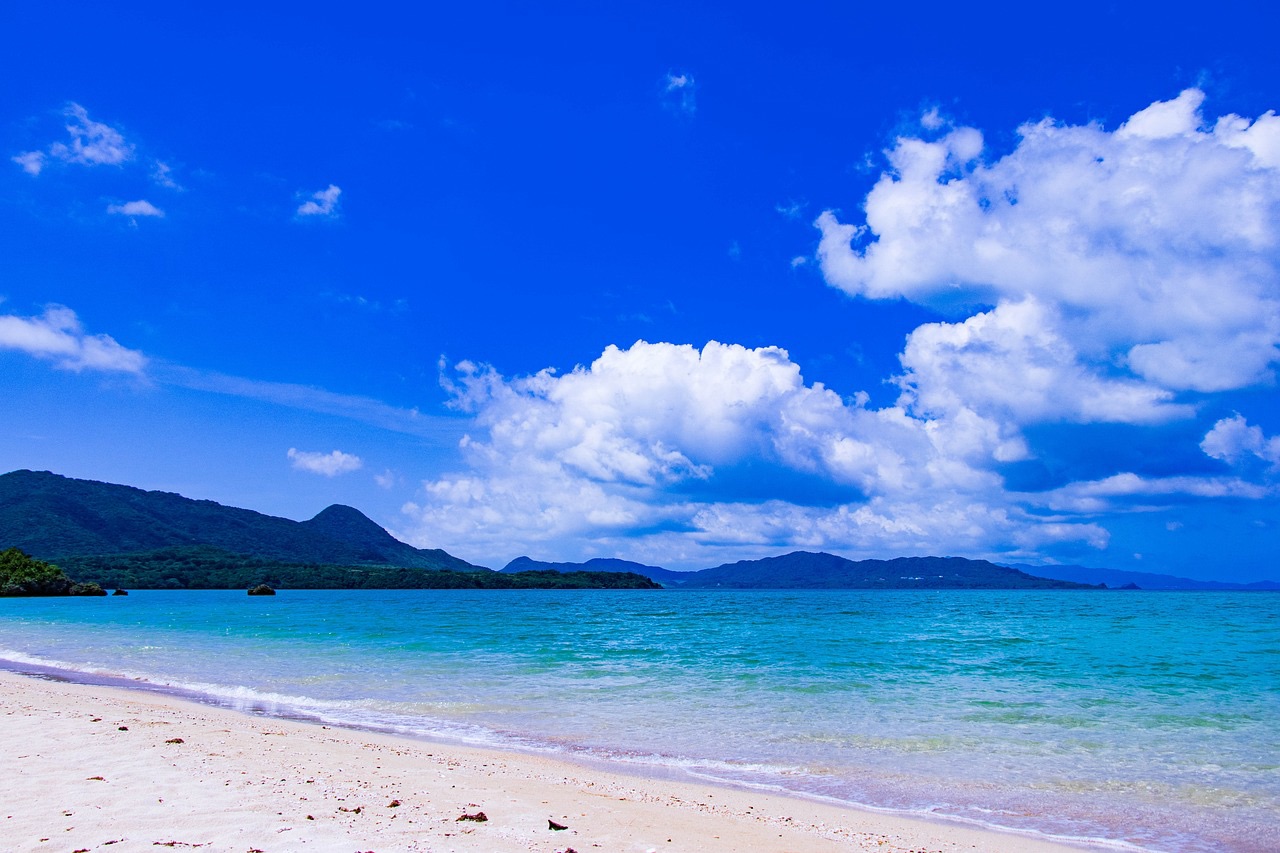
(1129,720)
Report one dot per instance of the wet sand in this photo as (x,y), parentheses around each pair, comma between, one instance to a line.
(86,767)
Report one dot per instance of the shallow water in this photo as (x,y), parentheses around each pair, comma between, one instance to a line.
(1151,719)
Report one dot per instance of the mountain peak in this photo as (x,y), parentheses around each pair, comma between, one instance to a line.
(350,525)
(344,515)
(51,516)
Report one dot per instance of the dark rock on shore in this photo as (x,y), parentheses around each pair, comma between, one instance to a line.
(261,589)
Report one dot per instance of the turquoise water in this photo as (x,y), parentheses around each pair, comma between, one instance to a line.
(1147,719)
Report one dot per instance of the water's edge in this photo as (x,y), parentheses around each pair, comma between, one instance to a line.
(583,758)
(1148,720)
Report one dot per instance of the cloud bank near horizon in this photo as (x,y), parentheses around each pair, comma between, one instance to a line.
(1098,276)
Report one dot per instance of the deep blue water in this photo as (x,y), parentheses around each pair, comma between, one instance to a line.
(1146,718)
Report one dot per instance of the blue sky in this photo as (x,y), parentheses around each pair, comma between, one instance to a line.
(680,283)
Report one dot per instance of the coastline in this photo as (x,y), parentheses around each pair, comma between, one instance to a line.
(237,781)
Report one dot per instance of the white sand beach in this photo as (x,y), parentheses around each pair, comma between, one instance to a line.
(87,767)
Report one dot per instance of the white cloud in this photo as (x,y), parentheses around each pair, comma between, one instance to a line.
(322,203)
(638,440)
(1106,494)
(92,143)
(1088,276)
(32,162)
(1233,440)
(791,210)
(932,119)
(1152,249)
(58,336)
(681,92)
(135,208)
(162,176)
(1012,363)
(385,480)
(326,464)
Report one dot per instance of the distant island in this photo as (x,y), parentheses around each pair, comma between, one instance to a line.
(809,570)
(116,536)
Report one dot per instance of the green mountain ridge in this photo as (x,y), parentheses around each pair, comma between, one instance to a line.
(54,517)
(207,567)
(123,536)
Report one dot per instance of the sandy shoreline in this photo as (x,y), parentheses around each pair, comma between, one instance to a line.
(88,767)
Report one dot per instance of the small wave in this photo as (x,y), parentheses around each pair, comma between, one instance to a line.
(804,782)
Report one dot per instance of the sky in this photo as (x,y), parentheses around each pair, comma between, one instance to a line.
(677,283)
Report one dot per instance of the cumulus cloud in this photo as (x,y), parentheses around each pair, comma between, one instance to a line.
(1233,440)
(92,143)
(646,439)
(326,464)
(57,335)
(135,208)
(321,203)
(1087,276)
(1152,249)
(1014,363)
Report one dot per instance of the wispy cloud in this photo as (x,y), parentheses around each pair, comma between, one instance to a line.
(32,162)
(162,176)
(326,464)
(135,208)
(58,336)
(308,398)
(92,143)
(791,210)
(365,303)
(681,93)
(321,203)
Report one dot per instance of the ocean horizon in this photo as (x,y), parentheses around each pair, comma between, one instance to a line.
(1137,721)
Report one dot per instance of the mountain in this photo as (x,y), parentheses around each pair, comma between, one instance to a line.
(599,564)
(808,570)
(207,567)
(1117,578)
(50,517)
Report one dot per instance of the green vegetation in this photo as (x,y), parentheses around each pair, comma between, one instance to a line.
(21,575)
(54,517)
(206,567)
